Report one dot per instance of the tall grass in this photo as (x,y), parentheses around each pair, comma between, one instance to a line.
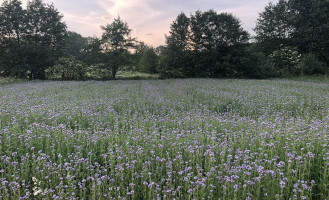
(9,80)
(165,139)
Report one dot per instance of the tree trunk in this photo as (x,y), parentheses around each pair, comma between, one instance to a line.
(114,72)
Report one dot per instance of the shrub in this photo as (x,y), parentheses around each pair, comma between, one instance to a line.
(257,65)
(310,64)
(21,71)
(67,69)
(166,70)
(263,68)
(286,61)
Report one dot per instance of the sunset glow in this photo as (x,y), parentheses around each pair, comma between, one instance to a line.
(149,19)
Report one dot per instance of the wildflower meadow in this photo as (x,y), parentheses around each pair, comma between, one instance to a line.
(165,139)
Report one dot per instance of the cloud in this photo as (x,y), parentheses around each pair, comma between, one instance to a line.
(149,19)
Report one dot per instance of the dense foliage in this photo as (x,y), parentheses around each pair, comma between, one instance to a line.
(116,42)
(302,24)
(67,69)
(204,44)
(149,61)
(165,139)
(207,44)
(75,45)
(31,39)
(286,61)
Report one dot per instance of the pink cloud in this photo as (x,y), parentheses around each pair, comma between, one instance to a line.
(149,19)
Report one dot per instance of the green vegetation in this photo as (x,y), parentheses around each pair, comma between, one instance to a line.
(291,40)
(301,24)
(67,69)
(116,42)
(314,78)
(136,75)
(5,81)
(165,139)
(31,39)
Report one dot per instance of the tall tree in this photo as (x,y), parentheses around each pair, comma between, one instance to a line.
(300,23)
(75,45)
(116,42)
(12,32)
(45,37)
(140,47)
(215,38)
(311,24)
(31,39)
(177,49)
(93,54)
(275,26)
(211,30)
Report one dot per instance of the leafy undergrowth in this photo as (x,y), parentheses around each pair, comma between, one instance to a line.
(135,75)
(6,81)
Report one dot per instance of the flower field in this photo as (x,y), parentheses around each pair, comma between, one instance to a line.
(165,139)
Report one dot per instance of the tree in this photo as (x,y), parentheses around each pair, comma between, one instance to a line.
(31,39)
(179,33)
(75,45)
(140,47)
(258,65)
(311,23)
(275,26)
(159,50)
(116,42)
(286,61)
(93,54)
(149,61)
(216,40)
(45,37)
(300,23)
(12,32)
(177,49)
(207,44)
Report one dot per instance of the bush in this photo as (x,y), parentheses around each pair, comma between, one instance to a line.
(310,64)
(263,68)
(97,71)
(20,71)
(67,69)
(257,65)
(286,61)
(166,70)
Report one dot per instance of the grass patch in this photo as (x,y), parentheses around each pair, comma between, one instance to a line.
(314,78)
(135,75)
(9,80)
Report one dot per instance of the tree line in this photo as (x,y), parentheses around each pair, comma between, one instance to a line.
(291,39)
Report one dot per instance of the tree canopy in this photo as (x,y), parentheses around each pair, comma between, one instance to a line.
(32,39)
(116,42)
(75,45)
(300,23)
(203,44)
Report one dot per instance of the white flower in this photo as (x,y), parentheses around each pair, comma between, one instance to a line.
(37,192)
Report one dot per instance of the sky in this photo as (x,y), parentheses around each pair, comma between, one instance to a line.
(149,19)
